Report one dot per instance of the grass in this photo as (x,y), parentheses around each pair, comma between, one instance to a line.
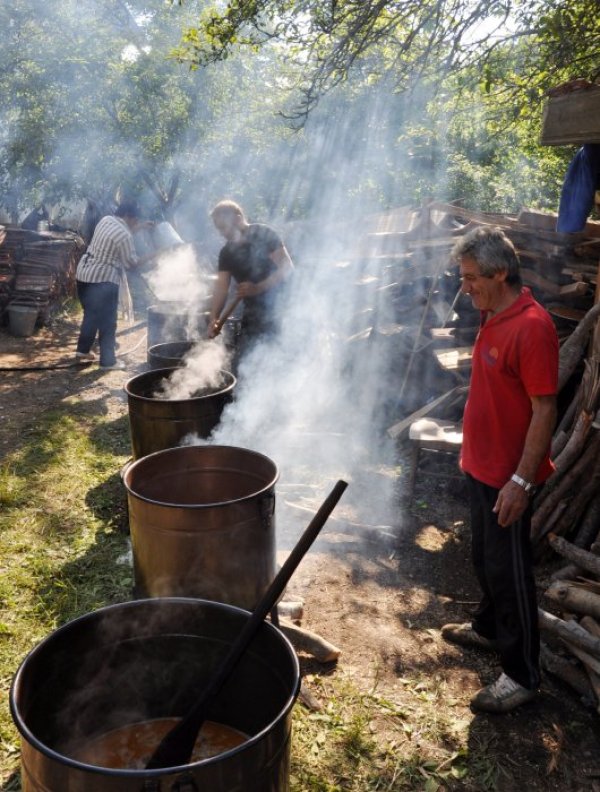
(62,520)
(63,531)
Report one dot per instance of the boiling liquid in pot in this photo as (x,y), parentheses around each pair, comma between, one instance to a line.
(130,747)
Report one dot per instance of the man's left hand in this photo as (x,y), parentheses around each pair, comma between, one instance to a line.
(511,503)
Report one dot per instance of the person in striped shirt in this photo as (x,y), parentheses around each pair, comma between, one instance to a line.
(101,273)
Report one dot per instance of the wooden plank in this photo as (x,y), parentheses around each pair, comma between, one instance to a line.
(402,426)
(458,358)
(572,118)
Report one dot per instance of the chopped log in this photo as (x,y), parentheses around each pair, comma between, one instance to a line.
(559,441)
(575,443)
(577,555)
(308,698)
(532,278)
(565,426)
(569,631)
(592,667)
(574,347)
(587,659)
(568,572)
(307,641)
(588,584)
(555,518)
(566,671)
(594,682)
(590,392)
(571,597)
(558,486)
(579,503)
(590,525)
(591,625)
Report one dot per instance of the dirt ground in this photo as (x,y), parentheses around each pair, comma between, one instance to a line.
(382,596)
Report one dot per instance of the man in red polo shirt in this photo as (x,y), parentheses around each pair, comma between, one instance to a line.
(508,424)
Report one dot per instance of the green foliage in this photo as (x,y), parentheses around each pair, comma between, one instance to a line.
(294,107)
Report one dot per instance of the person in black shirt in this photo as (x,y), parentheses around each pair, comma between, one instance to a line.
(256,258)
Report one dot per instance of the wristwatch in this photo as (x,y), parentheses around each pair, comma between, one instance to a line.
(527,485)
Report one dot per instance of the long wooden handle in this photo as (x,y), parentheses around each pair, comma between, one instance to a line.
(176,746)
(229,309)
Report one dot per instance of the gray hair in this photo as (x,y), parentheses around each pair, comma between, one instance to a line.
(492,250)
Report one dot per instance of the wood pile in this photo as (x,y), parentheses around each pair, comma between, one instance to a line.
(37,268)
(575,592)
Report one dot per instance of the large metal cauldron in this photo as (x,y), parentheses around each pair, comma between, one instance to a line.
(168,355)
(202,523)
(150,659)
(156,424)
(175,321)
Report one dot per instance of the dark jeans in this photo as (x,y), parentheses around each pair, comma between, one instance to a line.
(100,303)
(503,564)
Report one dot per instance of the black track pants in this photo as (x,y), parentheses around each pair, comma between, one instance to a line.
(503,564)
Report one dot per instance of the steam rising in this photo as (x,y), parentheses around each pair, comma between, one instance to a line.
(177,277)
(202,370)
(311,400)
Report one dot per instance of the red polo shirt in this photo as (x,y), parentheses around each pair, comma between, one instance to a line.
(515,357)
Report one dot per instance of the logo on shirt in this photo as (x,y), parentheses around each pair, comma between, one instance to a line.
(491,356)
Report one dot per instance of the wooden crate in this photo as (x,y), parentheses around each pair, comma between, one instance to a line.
(572,118)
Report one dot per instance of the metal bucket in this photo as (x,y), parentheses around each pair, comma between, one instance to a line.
(202,523)
(150,659)
(22,319)
(175,321)
(168,355)
(156,424)
(165,237)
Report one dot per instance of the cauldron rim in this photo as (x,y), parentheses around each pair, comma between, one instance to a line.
(165,372)
(126,475)
(154,347)
(137,774)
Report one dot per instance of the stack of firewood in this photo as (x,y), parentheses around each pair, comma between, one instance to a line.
(569,502)
(575,590)
(569,506)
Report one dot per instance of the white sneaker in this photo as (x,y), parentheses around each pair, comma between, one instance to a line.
(502,695)
(85,356)
(118,366)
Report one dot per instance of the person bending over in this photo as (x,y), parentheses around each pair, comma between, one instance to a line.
(256,258)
